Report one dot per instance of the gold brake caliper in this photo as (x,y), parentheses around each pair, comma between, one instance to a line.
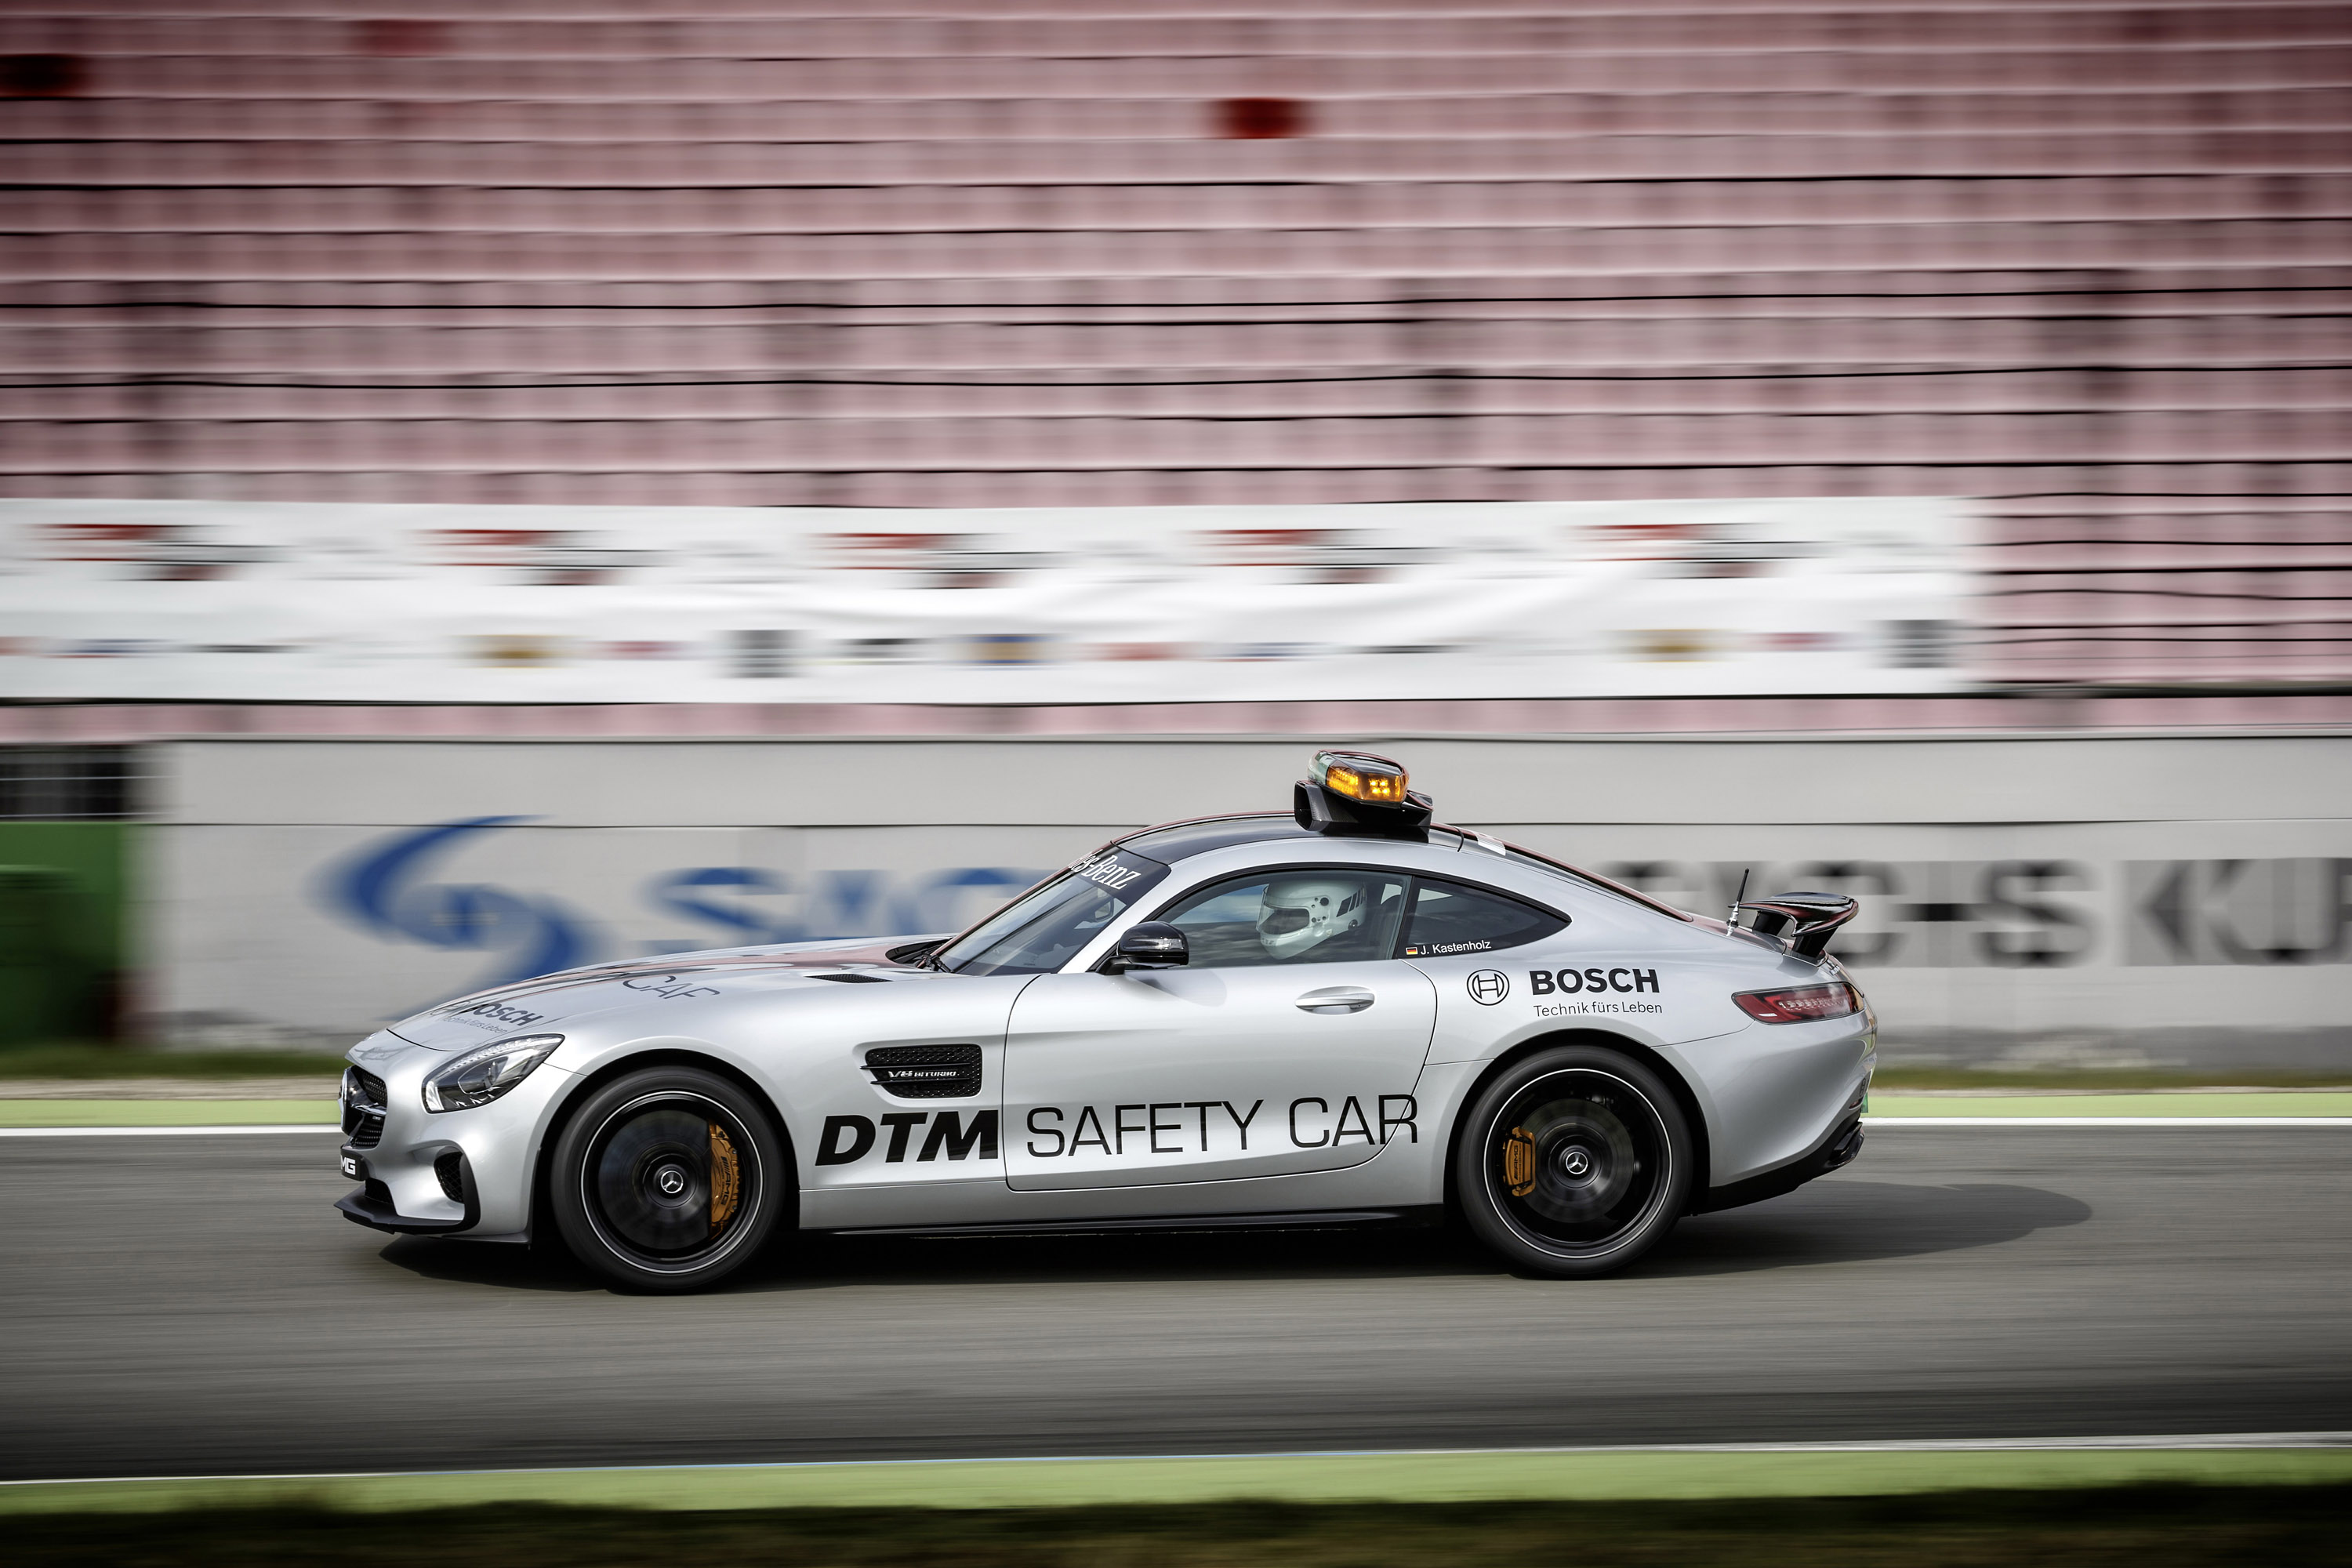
(1519,1162)
(726,1178)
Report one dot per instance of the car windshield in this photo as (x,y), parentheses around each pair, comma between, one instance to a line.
(1037,933)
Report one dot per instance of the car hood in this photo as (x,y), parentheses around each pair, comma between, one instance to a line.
(552,1001)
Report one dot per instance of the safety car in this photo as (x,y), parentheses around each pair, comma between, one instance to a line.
(1344,1013)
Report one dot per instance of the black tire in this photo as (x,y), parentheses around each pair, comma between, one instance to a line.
(640,1179)
(1573,1162)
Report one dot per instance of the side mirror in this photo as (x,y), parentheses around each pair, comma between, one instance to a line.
(1152,944)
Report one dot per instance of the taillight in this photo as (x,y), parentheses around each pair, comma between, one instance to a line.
(1802,1004)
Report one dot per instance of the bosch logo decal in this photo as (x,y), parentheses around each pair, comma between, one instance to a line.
(1593,989)
(497,1014)
(1569,982)
(1487,986)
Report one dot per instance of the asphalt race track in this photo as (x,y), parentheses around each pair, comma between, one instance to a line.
(190,1305)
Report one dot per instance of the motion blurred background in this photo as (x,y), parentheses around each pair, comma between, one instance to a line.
(501,485)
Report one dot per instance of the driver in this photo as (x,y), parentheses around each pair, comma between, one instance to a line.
(1298,913)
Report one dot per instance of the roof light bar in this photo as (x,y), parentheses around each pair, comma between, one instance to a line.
(1359,794)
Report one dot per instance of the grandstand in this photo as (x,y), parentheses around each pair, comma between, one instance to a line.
(2087,266)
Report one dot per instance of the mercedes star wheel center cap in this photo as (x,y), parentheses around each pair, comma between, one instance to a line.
(1575,1163)
(670,1180)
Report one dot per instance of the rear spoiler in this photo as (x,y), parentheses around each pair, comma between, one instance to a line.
(1803,923)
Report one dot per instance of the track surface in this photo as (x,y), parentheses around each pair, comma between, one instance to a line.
(190,1305)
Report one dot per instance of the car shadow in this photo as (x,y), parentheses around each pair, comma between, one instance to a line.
(1851,1222)
(1839,1221)
(539,1266)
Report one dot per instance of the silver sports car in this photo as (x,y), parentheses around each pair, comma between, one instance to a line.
(1346,1013)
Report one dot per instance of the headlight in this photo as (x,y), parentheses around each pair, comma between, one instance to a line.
(481,1076)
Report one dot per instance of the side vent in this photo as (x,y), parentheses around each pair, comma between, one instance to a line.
(925,1072)
(853,979)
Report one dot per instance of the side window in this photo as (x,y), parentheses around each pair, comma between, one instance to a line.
(1448,918)
(1320,916)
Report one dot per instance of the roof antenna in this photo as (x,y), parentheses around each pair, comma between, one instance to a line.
(1734,920)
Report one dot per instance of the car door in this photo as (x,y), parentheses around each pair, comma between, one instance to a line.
(1291,1042)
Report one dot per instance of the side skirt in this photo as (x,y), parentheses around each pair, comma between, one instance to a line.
(1414,1218)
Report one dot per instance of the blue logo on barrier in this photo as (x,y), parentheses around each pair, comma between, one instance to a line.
(381,891)
(384,889)
(837,903)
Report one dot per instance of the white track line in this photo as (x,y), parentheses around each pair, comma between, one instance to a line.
(187,1131)
(2190,1443)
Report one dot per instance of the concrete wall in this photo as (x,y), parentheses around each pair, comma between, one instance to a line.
(2061,899)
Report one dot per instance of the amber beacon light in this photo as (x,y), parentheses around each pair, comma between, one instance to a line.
(1359,775)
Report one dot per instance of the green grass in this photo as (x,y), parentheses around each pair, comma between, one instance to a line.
(2128,1528)
(164,1112)
(1896,1079)
(100,1060)
(1493,1476)
(2032,1107)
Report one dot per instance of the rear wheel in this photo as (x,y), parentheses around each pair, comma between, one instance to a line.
(668,1179)
(1574,1162)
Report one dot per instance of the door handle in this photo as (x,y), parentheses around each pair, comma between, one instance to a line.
(1336,999)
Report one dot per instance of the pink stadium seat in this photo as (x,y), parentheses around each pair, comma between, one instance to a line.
(2025,249)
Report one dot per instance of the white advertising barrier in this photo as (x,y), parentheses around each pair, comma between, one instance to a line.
(312,891)
(237,602)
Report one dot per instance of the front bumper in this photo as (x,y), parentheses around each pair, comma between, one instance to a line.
(444,1173)
(370,1202)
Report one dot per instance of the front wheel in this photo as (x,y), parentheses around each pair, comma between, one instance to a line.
(1574,1162)
(668,1179)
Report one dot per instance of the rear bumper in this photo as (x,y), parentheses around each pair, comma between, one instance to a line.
(1839,1149)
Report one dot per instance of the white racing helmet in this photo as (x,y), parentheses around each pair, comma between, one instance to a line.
(1297,913)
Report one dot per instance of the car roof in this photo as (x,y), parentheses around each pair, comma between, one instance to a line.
(1173,841)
